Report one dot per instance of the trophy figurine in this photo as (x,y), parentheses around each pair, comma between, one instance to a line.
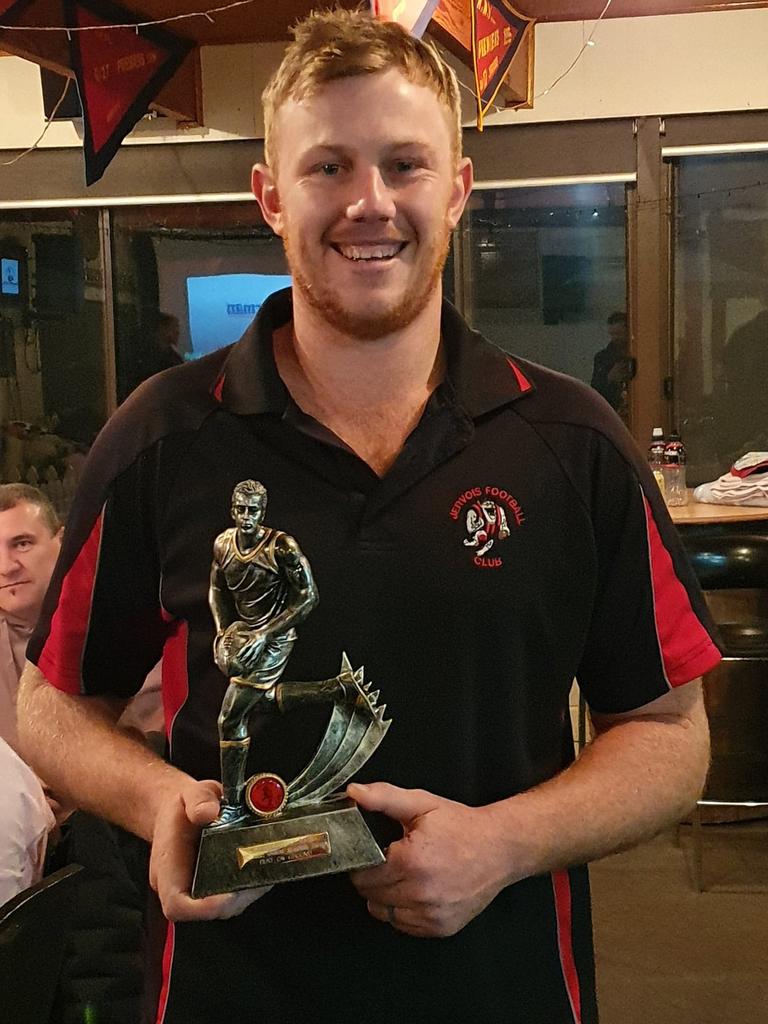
(269,830)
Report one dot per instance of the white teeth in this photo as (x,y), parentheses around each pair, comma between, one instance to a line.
(369,252)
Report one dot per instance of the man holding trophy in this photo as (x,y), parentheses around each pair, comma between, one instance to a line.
(375,418)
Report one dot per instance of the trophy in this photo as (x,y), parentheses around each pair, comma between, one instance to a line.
(269,830)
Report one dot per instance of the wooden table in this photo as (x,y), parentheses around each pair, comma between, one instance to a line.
(734,692)
(697,513)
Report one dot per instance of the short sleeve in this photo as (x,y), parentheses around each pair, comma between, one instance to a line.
(102,627)
(650,629)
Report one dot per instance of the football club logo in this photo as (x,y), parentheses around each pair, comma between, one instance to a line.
(487,513)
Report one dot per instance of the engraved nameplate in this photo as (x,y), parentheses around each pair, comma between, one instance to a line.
(285,851)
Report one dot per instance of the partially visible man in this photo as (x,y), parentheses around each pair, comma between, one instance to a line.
(30,538)
(613,367)
(33,832)
(165,344)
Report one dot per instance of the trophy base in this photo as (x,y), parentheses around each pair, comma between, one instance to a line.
(325,838)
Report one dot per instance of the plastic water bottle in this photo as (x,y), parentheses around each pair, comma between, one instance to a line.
(656,457)
(674,471)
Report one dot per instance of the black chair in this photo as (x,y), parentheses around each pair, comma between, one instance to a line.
(732,568)
(33,931)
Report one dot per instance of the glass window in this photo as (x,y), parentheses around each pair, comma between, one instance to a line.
(187,279)
(721,310)
(53,394)
(546,279)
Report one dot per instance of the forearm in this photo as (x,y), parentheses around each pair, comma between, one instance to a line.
(73,743)
(642,772)
(635,778)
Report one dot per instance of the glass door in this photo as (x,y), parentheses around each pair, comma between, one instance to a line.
(545,278)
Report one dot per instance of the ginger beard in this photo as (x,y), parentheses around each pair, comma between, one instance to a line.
(367,325)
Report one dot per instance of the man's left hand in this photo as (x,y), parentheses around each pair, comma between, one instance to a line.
(445,870)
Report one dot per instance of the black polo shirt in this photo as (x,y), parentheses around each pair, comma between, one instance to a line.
(518,541)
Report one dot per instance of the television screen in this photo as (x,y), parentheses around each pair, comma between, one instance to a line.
(9,276)
(222,306)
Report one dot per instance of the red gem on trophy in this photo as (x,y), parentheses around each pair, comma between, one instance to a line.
(266,793)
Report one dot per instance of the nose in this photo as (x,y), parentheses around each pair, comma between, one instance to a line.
(372,199)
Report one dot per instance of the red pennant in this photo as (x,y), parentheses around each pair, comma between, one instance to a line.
(119,72)
(497,32)
(117,65)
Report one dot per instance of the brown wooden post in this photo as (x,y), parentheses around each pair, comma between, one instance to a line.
(649,283)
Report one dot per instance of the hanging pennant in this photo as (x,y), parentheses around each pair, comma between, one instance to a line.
(119,71)
(413,15)
(497,32)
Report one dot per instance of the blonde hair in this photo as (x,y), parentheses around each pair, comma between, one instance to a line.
(333,44)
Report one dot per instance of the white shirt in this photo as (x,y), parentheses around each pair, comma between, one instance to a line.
(25,821)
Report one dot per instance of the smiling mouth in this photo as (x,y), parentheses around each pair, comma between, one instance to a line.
(376,252)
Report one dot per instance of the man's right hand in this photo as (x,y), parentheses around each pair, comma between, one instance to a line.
(178,824)
(249,655)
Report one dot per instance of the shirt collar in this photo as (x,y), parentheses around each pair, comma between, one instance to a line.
(483,377)
(16,625)
(249,382)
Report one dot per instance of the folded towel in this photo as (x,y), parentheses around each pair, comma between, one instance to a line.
(746,483)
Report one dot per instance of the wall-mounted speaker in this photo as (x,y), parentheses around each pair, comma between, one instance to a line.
(59,274)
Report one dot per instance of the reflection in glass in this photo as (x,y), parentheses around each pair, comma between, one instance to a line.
(188,279)
(721,310)
(53,396)
(546,274)
(222,306)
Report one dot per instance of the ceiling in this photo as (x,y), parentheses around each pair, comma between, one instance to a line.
(260,22)
(270,22)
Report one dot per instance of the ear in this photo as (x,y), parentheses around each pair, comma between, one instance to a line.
(265,189)
(460,190)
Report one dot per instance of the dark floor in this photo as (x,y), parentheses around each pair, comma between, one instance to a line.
(667,954)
